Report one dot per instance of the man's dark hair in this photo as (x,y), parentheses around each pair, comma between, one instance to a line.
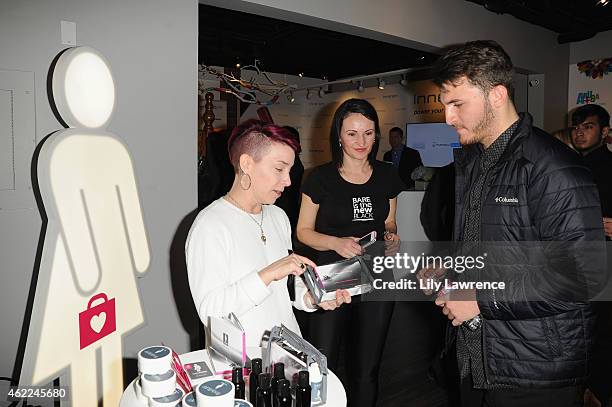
(484,63)
(397,130)
(347,107)
(579,115)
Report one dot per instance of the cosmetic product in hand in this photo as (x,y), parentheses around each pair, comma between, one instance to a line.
(302,391)
(264,392)
(279,373)
(284,393)
(254,380)
(238,381)
(315,382)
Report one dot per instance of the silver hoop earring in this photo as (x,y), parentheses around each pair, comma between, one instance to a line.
(242,175)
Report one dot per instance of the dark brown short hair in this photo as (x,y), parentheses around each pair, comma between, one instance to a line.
(484,63)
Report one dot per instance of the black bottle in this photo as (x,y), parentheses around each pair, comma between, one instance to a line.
(279,373)
(254,380)
(284,393)
(264,392)
(302,391)
(238,381)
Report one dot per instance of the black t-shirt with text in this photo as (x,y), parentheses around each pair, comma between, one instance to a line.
(347,209)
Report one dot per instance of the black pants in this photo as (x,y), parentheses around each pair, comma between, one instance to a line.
(558,397)
(599,381)
(363,326)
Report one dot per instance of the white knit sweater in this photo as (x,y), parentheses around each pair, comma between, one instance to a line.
(224,253)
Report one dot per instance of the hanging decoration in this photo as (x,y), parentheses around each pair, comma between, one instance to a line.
(596,68)
(254,90)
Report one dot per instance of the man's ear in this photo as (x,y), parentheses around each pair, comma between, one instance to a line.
(498,96)
(605,131)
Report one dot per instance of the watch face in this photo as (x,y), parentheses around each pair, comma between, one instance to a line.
(474,323)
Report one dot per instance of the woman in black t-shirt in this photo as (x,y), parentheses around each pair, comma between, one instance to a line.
(342,201)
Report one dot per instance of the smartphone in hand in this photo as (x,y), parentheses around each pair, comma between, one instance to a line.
(367,240)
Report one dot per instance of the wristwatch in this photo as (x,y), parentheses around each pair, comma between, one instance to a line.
(474,323)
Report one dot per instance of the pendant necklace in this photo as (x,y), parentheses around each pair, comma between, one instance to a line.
(260,223)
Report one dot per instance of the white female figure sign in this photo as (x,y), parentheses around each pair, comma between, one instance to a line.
(95,243)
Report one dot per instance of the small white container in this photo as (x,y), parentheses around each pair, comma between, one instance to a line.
(242,403)
(189,400)
(154,360)
(215,393)
(158,385)
(171,400)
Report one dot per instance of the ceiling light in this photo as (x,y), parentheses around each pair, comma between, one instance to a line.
(301,74)
(321,92)
(404,81)
(360,87)
(308,94)
(290,97)
(381,84)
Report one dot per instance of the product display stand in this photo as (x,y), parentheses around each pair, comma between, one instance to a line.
(336,396)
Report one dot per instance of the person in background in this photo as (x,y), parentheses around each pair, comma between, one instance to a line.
(591,127)
(438,205)
(343,200)
(404,158)
(529,344)
(237,248)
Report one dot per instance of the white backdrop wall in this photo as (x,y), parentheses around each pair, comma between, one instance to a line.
(582,88)
(151,46)
(595,48)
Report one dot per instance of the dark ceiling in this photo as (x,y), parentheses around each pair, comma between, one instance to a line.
(227,37)
(573,20)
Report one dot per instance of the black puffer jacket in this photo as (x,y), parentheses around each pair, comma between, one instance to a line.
(537,332)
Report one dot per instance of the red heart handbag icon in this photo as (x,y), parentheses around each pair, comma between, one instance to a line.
(97,321)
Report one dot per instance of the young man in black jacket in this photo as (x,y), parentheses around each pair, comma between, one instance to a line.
(591,127)
(527,344)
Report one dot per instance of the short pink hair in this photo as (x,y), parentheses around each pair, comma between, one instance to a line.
(254,137)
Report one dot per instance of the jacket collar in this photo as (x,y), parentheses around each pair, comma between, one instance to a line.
(465,155)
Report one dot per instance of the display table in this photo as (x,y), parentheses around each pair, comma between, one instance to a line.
(336,396)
